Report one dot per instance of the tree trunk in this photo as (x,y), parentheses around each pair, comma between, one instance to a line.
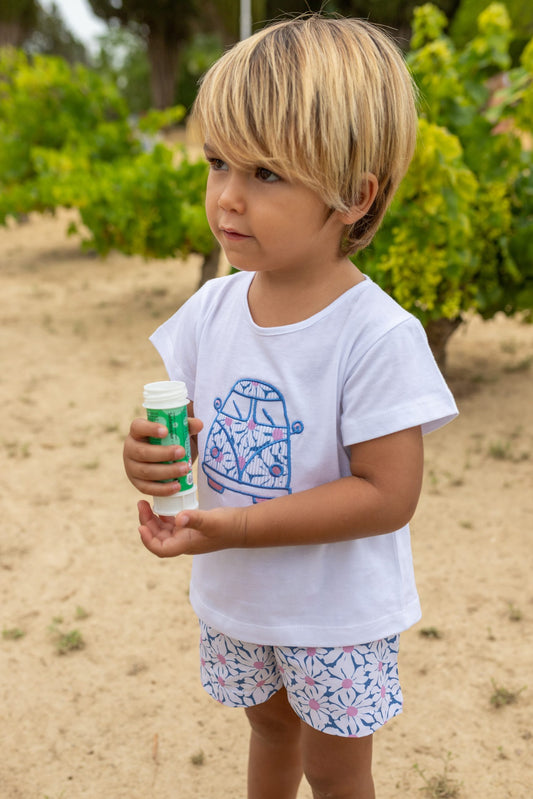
(438,332)
(164,57)
(209,266)
(11,33)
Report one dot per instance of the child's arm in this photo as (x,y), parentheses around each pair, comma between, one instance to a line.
(147,464)
(379,497)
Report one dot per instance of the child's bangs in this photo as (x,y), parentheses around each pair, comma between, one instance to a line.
(237,123)
(276,100)
(235,140)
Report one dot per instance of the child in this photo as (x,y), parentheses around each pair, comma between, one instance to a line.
(314,389)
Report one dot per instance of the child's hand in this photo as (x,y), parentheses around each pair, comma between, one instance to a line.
(191,532)
(147,464)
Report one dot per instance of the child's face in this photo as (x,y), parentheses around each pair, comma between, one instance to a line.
(264,222)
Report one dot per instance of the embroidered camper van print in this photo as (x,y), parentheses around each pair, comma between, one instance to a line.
(248,447)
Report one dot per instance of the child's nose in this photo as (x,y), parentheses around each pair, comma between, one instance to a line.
(232,196)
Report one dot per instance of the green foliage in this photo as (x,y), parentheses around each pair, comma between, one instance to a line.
(430,22)
(146,205)
(22,12)
(123,59)
(503,696)
(65,641)
(195,59)
(440,786)
(13,634)
(459,234)
(47,106)
(165,25)
(420,256)
(464,24)
(51,36)
(67,141)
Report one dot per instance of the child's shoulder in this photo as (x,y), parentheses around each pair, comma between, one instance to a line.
(217,298)
(375,311)
(372,322)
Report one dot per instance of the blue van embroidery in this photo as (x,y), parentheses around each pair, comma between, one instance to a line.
(248,448)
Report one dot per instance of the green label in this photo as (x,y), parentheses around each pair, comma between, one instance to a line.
(177,424)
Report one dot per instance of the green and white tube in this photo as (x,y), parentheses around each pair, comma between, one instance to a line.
(166,403)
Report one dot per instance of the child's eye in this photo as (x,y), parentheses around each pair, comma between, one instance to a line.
(216,164)
(266,175)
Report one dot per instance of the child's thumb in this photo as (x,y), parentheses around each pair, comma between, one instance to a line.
(189,518)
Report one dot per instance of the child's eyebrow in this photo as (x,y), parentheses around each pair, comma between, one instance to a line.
(208,150)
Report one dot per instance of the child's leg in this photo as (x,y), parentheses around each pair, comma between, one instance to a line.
(337,767)
(343,695)
(282,748)
(338,697)
(275,759)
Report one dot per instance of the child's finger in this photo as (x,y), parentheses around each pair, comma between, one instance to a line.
(147,538)
(189,518)
(195,425)
(141,429)
(143,452)
(162,546)
(145,512)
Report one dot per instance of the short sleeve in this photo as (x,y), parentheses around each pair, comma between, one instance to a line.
(394,385)
(175,341)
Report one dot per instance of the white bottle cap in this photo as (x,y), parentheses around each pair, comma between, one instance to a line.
(165,394)
(175,503)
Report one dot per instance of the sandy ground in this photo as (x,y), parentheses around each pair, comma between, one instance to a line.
(125,717)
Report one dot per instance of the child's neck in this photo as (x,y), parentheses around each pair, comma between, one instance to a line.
(276,298)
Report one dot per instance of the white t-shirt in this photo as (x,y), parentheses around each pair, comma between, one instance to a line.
(281,407)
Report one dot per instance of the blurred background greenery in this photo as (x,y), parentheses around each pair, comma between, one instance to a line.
(95,126)
(155,50)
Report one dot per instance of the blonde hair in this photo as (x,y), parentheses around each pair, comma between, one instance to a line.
(324,101)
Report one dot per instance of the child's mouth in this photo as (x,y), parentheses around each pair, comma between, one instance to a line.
(234,235)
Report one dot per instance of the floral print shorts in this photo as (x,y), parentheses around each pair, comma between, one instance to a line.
(349,691)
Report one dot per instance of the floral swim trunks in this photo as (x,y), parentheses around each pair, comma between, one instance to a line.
(349,691)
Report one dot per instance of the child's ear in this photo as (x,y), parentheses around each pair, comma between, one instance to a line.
(369,189)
